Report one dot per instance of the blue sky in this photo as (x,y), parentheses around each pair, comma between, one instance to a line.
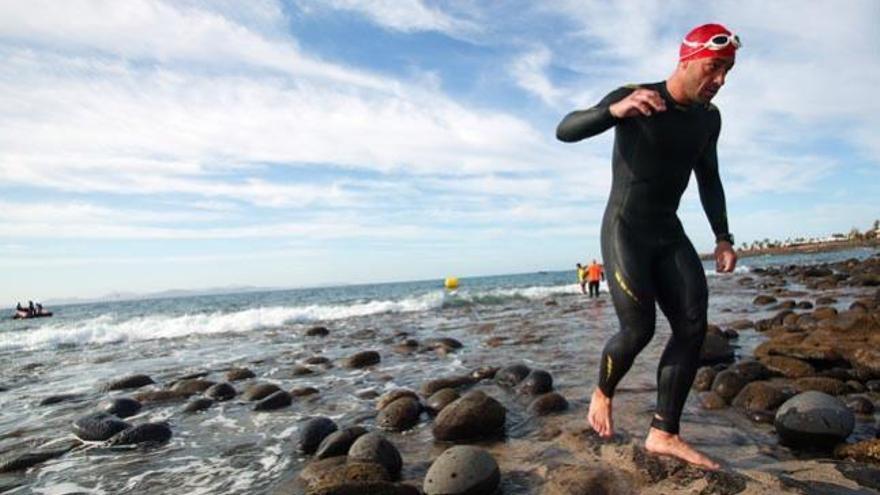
(148,145)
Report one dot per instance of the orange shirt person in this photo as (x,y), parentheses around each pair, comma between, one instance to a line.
(595,273)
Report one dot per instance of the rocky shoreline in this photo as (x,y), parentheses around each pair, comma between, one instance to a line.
(797,416)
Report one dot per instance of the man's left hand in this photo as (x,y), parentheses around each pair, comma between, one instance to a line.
(725,257)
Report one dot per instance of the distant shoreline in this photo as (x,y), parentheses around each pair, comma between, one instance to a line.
(816,247)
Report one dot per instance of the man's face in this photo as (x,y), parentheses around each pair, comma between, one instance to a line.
(705,76)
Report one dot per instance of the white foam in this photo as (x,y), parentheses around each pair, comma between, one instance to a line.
(738,269)
(109,328)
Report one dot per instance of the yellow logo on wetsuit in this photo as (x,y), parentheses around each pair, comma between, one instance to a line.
(622,284)
(608,366)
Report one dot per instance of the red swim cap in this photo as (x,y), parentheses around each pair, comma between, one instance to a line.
(708,40)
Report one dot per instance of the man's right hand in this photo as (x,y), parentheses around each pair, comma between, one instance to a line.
(640,102)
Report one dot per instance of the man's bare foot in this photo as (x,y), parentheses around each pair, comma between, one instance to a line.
(600,414)
(661,442)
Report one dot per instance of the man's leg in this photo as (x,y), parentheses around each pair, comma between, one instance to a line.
(683,296)
(632,294)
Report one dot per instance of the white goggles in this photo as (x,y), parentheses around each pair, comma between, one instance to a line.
(717,42)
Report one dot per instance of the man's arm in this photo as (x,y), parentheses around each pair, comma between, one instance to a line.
(712,198)
(582,124)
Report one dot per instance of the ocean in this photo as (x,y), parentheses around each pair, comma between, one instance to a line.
(231,449)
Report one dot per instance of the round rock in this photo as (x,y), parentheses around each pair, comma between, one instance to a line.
(236,374)
(475,415)
(221,392)
(338,442)
(273,401)
(259,391)
(98,427)
(143,433)
(462,470)
(813,419)
(705,377)
(363,359)
(314,431)
(121,407)
(759,396)
(441,399)
(373,447)
(536,383)
(131,381)
(510,376)
(400,415)
(727,384)
(198,404)
(548,403)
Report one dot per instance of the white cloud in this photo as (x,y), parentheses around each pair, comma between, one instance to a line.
(400,15)
(529,73)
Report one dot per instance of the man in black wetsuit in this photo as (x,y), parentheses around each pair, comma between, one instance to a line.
(663,131)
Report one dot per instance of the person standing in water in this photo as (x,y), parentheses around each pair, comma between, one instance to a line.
(594,275)
(582,278)
(663,131)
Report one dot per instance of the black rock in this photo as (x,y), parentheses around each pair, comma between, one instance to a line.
(510,376)
(259,391)
(547,404)
(536,383)
(441,399)
(236,374)
(143,433)
(400,415)
(221,392)
(274,401)
(373,447)
(55,399)
(363,359)
(317,332)
(314,431)
(132,381)
(338,442)
(121,407)
(98,427)
(198,404)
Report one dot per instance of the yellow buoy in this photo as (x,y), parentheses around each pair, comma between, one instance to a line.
(451,283)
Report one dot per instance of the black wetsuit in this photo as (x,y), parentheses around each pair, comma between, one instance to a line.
(648,256)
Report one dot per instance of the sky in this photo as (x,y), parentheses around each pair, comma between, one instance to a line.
(149,145)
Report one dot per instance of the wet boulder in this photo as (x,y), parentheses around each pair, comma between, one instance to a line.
(727,384)
(711,400)
(158,396)
(198,404)
(131,381)
(788,367)
(259,391)
(715,349)
(338,442)
(363,359)
(510,376)
(441,399)
(462,470)
(317,332)
(25,460)
(548,403)
(143,433)
(221,392)
(393,395)
(751,370)
(813,420)
(759,396)
(275,400)
(121,407)
(400,415)
(313,432)
(317,360)
(236,374)
(55,399)
(192,386)
(98,427)
(430,387)
(537,382)
(373,447)
(303,391)
(475,415)
(831,386)
(764,300)
(705,377)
